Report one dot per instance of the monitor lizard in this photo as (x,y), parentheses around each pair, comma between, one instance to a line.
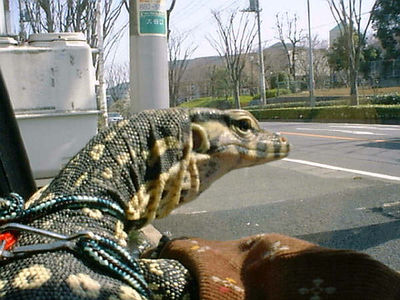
(138,169)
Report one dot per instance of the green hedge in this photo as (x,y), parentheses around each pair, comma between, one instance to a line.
(272,93)
(367,113)
(389,99)
(275,92)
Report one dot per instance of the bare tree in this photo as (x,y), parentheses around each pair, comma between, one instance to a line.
(178,57)
(320,60)
(288,31)
(169,11)
(74,16)
(234,42)
(348,18)
(117,79)
(79,16)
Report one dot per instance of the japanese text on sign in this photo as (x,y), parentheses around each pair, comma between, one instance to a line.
(152,17)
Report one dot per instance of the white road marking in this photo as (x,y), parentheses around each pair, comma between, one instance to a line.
(341,130)
(361,208)
(195,212)
(371,174)
(391,204)
(357,132)
(369,127)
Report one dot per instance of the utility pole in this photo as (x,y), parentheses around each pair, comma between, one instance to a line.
(148,55)
(310,60)
(101,92)
(255,7)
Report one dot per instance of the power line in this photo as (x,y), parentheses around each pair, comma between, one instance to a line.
(184,15)
(331,24)
(196,24)
(188,9)
(194,17)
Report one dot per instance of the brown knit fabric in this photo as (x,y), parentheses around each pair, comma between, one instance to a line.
(274,266)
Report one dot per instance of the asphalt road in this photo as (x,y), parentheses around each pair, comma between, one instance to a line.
(339,187)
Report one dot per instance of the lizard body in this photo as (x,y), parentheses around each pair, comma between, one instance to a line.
(141,169)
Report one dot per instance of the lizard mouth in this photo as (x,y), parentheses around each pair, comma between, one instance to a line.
(274,148)
(267,153)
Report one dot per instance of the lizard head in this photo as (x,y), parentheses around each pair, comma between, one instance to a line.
(223,141)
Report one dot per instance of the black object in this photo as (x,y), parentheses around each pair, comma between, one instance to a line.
(15,171)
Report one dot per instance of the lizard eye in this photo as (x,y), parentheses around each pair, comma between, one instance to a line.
(243,125)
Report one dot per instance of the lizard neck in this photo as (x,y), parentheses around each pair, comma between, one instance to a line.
(136,164)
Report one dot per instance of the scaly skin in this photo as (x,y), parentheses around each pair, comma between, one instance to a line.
(147,165)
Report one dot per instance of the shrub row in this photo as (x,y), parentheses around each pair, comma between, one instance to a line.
(273,93)
(300,104)
(388,99)
(365,114)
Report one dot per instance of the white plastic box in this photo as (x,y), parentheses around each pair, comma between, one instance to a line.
(51,82)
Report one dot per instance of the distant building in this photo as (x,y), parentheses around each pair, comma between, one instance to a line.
(197,80)
(335,33)
(275,58)
(117,92)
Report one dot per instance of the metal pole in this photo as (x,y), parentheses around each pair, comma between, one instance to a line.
(261,57)
(310,59)
(101,93)
(148,55)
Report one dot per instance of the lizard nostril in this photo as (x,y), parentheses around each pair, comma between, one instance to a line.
(280,139)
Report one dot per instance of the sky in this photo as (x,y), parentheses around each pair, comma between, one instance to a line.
(194,17)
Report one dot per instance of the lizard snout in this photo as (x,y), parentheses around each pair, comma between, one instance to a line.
(281,146)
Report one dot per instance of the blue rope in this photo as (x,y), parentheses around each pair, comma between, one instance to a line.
(99,249)
(117,260)
(13,206)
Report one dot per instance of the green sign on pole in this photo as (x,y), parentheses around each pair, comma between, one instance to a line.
(152,22)
(152,17)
